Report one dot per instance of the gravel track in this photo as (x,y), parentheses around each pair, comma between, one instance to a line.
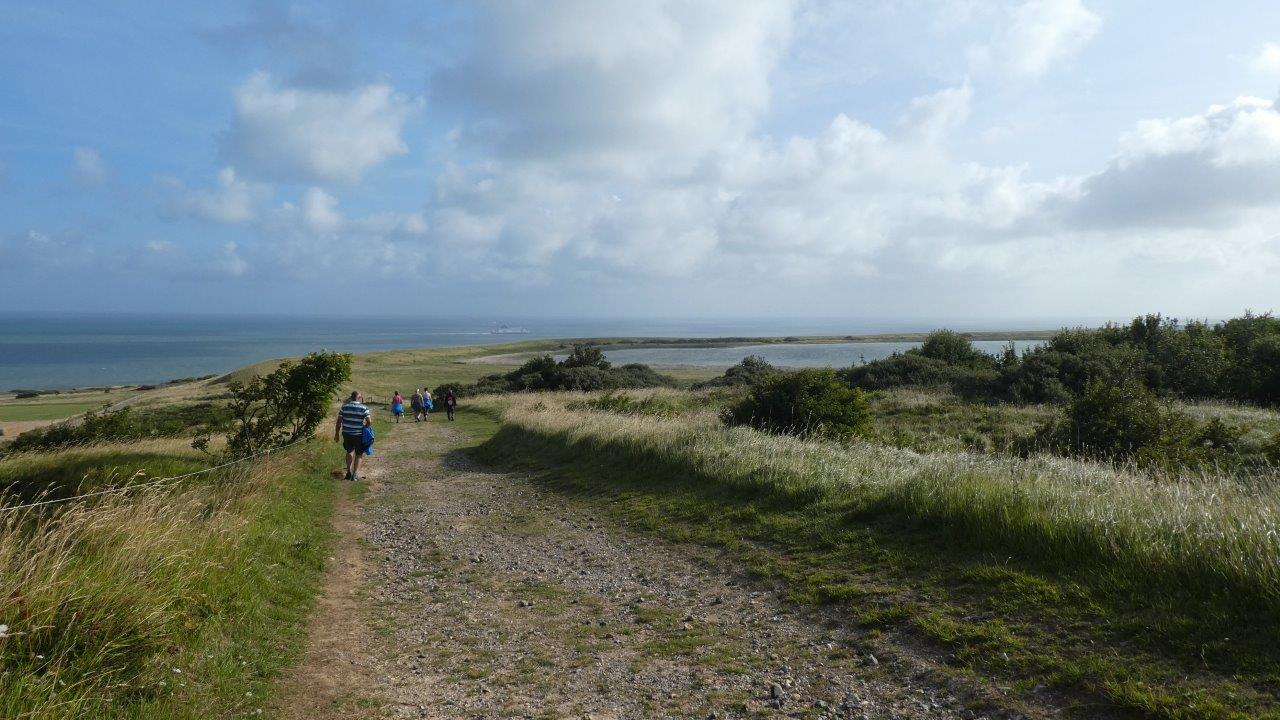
(461,593)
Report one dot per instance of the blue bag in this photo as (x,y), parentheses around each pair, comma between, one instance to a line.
(366,439)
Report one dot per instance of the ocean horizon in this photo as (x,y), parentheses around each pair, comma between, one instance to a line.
(53,351)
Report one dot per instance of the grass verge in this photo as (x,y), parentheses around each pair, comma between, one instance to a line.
(173,604)
(1125,597)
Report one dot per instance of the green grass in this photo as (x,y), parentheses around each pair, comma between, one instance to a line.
(935,421)
(1158,601)
(45,411)
(173,605)
(45,475)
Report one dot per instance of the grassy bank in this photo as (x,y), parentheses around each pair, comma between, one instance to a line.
(179,603)
(1114,587)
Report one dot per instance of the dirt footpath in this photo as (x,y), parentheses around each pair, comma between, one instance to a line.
(460,593)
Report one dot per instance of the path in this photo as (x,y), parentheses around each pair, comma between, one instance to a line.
(460,593)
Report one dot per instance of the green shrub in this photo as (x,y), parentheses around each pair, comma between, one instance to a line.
(1217,435)
(899,370)
(442,390)
(1120,420)
(1271,449)
(750,371)
(952,348)
(586,356)
(804,402)
(976,384)
(285,405)
(584,369)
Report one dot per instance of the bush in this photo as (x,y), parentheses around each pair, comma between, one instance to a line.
(804,402)
(976,384)
(586,356)
(1119,421)
(584,369)
(1271,449)
(752,370)
(442,390)
(953,348)
(286,405)
(898,370)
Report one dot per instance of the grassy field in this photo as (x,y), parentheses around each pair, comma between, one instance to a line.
(181,602)
(1121,589)
(46,411)
(1114,587)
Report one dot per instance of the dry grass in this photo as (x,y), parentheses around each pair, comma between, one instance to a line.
(1214,533)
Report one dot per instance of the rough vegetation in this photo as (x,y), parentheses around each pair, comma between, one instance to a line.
(123,425)
(584,369)
(1238,359)
(1079,575)
(805,402)
(165,603)
(286,404)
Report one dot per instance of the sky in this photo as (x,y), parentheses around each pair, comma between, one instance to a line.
(951,159)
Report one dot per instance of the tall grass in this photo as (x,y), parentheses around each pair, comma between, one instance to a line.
(1213,535)
(145,605)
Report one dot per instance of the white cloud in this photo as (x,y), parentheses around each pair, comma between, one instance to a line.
(26,251)
(230,262)
(234,201)
(1267,61)
(1207,170)
(599,143)
(932,116)
(320,211)
(87,168)
(314,135)
(624,87)
(1039,36)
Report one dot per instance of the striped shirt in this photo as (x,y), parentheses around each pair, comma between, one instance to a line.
(353,415)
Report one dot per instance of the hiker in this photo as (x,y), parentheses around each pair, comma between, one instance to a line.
(397,406)
(450,402)
(353,418)
(427,405)
(416,403)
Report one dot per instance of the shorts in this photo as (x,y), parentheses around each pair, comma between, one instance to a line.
(353,443)
(397,409)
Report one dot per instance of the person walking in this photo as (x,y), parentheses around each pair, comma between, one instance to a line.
(397,406)
(427,404)
(450,402)
(416,402)
(353,418)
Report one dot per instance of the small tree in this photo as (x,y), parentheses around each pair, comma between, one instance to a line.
(803,402)
(585,356)
(285,405)
(1120,420)
(953,348)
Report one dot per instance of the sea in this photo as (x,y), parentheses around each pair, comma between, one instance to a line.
(39,352)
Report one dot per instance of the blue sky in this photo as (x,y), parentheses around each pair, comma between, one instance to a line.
(950,159)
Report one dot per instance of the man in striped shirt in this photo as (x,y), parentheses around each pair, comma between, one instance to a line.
(352,419)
